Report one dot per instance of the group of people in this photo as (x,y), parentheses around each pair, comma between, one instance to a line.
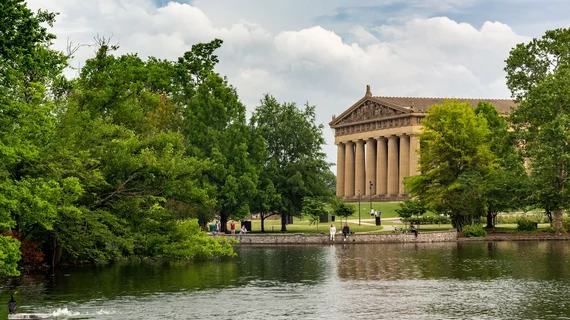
(345,231)
(218,228)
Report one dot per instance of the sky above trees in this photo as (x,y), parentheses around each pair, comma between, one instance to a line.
(323,52)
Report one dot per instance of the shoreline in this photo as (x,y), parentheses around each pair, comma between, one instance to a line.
(367,238)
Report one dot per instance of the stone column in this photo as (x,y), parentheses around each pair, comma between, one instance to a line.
(393,166)
(381,166)
(340,155)
(349,169)
(414,154)
(370,166)
(359,168)
(404,161)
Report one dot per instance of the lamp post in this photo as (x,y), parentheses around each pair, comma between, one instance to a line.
(370,193)
(358,206)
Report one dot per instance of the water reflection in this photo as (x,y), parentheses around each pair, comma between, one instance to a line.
(495,280)
(483,261)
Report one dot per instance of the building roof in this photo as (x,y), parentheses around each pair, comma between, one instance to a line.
(504,106)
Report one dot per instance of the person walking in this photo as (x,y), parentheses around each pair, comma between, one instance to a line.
(233,227)
(333,231)
(345,231)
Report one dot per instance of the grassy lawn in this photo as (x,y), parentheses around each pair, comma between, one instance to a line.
(302,226)
(367,222)
(388,209)
(367,226)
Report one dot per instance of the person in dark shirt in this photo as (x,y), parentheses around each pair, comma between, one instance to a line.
(345,231)
(413,230)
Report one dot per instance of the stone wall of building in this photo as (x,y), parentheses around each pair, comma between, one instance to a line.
(300,238)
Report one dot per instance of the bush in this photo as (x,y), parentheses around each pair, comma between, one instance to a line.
(526,224)
(475,230)
(512,219)
(566,223)
(427,220)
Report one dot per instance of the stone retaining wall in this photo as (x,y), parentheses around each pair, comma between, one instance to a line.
(301,238)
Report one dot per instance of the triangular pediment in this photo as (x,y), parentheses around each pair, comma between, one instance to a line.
(369,108)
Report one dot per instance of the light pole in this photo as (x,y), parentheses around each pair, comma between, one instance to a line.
(370,193)
(358,206)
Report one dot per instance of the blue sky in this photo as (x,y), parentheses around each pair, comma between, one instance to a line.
(324,52)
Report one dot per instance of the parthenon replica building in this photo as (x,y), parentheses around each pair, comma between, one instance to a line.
(377,140)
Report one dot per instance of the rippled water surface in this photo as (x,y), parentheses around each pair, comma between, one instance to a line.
(502,280)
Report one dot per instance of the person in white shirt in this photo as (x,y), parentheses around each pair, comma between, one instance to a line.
(333,231)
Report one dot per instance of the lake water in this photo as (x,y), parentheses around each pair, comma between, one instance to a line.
(495,280)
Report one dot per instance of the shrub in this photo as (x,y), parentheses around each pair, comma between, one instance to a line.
(526,224)
(475,230)
(427,220)
(566,223)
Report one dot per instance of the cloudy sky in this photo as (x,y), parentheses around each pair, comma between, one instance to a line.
(324,52)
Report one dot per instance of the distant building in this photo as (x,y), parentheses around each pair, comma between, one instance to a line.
(377,143)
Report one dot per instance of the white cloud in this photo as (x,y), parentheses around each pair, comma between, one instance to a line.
(421,57)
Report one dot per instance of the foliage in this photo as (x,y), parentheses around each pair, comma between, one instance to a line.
(409,208)
(566,223)
(538,75)
(9,256)
(30,75)
(314,208)
(107,165)
(454,161)
(505,187)
(475,230)
(215,129)
(294,162)
(427,220)
(526,224)
(341,208)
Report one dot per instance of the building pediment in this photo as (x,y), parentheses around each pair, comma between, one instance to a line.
(369,109)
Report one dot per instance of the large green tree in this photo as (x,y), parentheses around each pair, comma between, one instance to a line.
(538,75)
(455,158)
(295,162)
(506,186)
(30,74)
(215,129)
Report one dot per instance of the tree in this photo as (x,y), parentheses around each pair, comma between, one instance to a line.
(215,129)
(411,207)
(341,209)
(314,208)
(454,160)
(538,75)
(294,162)
(30,73)
(505,187)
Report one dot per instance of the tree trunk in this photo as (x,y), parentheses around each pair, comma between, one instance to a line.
(262,216)
(284,222)
(558,228)
(223,222)
(55,257)
(490,224)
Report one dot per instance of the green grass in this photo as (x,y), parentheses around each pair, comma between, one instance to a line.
(302,226)
(388,209)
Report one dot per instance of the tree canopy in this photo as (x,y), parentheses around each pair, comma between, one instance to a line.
(538,75)
(294,162)
(135,156)
(455,158)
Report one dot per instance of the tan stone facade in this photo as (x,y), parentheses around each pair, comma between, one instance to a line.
(377,140)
